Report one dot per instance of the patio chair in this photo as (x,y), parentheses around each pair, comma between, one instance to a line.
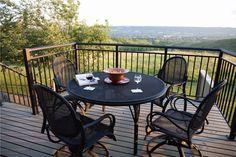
(77,131)
(174,74)
(178,127)
(64,71)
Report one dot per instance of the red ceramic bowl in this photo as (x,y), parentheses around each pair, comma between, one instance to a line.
(115,74)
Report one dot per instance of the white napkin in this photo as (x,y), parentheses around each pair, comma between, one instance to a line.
(89,88)
(82,80)
(136,90)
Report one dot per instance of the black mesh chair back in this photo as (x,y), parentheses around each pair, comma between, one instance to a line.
(204,108)
(61,117)
(174,74)
(64,71)
(174,71)
(77,131)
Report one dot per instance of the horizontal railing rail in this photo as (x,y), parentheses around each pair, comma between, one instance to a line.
(228,52)
(42,48)
(146,59)
(150,46)
(13,86)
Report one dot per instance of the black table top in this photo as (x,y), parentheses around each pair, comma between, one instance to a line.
(119,95)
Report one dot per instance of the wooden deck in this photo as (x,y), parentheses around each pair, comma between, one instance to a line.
(21,137)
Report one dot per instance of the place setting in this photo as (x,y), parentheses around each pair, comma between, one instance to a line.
(87,80)
(137,79)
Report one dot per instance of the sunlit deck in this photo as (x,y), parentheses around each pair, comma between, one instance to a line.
(20,134)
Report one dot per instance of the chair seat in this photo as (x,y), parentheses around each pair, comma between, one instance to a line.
(159,101)
(92,134)
(166,126)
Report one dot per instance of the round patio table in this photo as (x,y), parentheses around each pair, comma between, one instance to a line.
(109,94)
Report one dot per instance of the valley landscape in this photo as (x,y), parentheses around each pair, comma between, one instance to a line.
(203,37)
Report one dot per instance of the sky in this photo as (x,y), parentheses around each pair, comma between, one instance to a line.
(189,13)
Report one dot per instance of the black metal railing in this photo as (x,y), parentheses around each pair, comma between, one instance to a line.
(227,100)
(13,86)
(148,61)
(218,64)
(38,67)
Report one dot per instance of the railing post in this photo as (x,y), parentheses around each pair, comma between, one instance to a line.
(5,80)
(218,68)
(165,55)
(117,56)
(76,57)
(30,80)
(233,127)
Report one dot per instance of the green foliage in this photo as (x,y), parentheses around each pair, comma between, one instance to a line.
(229,44)
(133,42)
(90,34)
(11,30)
(31,23)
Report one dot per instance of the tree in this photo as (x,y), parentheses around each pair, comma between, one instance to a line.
(11,30)
(30,23)
(92,34)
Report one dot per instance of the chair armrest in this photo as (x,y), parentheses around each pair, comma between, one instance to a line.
(189,99)
(174,98)
(175,118)
(99,120)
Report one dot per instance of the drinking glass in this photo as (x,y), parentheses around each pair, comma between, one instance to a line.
(89,77)
(137,78)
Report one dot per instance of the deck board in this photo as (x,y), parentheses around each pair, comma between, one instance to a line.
(20,134)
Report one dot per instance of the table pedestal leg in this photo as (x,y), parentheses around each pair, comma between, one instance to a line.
(135,116)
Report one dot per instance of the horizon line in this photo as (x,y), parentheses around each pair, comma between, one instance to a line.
(173,26)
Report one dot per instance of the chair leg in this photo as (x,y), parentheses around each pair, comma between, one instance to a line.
(185,101)
(103,146)
(147,132)
(103,108)
(156,146)
(93,154)
(195,147)
(181,151)
(87,106)
(76,152)
(56,154)
(43,125)
(82,110)
(148,119)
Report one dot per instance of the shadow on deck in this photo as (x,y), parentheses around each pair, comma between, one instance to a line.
(20,134)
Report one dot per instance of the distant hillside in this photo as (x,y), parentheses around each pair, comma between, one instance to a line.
(204,37)
(213,33)
(229,44)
